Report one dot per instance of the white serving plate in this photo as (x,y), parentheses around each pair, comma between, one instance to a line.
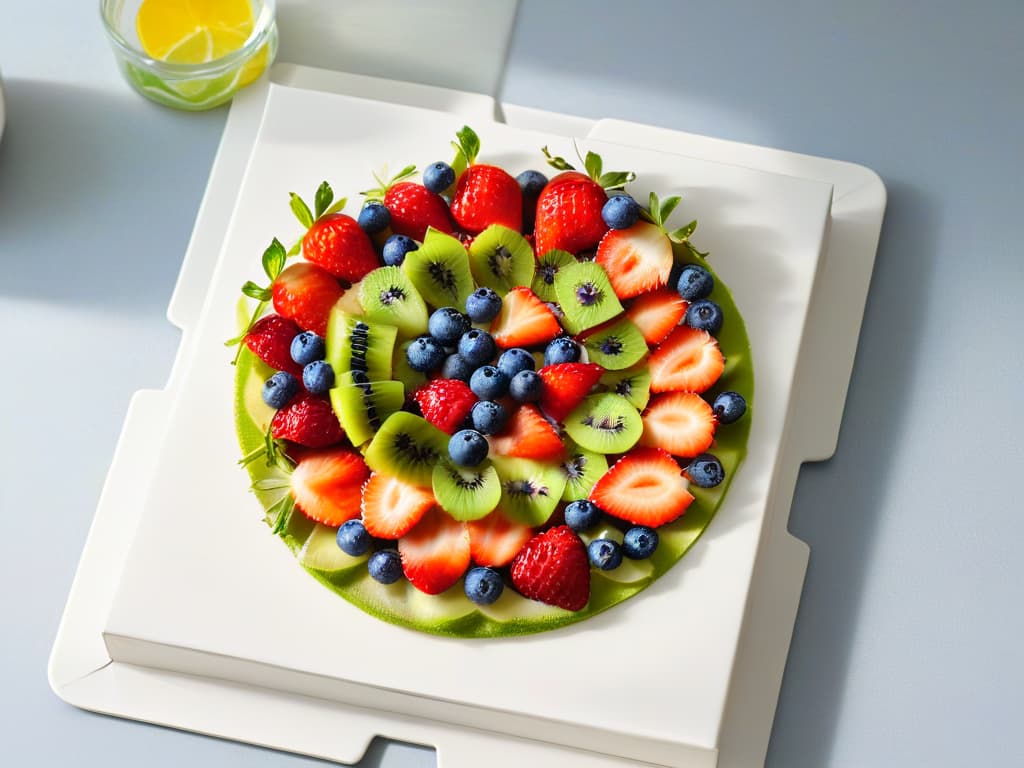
(115,653)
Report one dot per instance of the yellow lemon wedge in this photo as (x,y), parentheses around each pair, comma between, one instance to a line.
(193,31)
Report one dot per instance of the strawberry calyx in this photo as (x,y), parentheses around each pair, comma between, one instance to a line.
(384,183)
(325,205)
(274,258)
(594,167)
(467,147)
(657,213)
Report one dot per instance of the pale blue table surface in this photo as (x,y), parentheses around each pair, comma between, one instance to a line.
(907,649)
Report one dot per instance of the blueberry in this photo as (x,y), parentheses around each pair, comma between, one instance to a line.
(477,347)
(437,177)
(704,315)
(456,368)
(706,471)
(395,248)
(318,377)
(353,538)
(639,542)
(526,386)
(729,407)
(620,212)
(385,566)
(425,354)
(531,183)
(562,350)
(467,447)
(483,305)
(447,325)
(307,347)
(483,585)
(374,217)
(279,389)
(695,282)
(488,417)
(488,383)
(514,360)
(582,515)
(605,554)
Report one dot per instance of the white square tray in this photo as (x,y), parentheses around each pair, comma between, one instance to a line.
(115,653)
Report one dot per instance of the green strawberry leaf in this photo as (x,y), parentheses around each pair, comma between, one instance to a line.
(557,162)
(338,205)
(324,196)
(683,233)
(667,206)
(253,291)
(694,252)
(467,147)
(654,209)
(615,179)
(301,210)
(273,259)
(378,192)
(593,165)
(296,247)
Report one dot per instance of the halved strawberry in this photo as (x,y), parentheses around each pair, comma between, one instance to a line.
(271,340)
(681,423)
(637,259)
(307,420)
(565,386)
(337,243)
(414,209)
(528,436)
(445,403)
(657,313)
(644,487)
(524,320)
(553,568)
(392,507)
(687,361)
(495,540)
(305,293)
(327,485)
(435,553)
(484,194)
(569,214)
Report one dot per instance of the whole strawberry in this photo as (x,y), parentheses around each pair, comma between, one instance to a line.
(445,403)
(553,568)
(307,420)
(413,207)
(337,243)
(270,339)
(305,293)
(484,194)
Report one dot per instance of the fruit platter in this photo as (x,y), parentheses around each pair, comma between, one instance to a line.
(491,401)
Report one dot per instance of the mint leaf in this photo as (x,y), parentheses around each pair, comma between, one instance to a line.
(338,205)
(593,165)
(557,162)
(301,210)
(468,143)
(253,291)
(324,196)
(683,233)
(654,208)
(273,259)
(616,179)
(667,206)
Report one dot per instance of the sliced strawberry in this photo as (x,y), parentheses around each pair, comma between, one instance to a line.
(326,485)
(338,244)
(687,361)
(392,507)
(445,403)
(435,553)
(565,386)
(644,487)
(528,436)
(495,540)
(553,568)
(524,320)
(414,209)
(305,293)
(657,313)
(637,259)
(271,340)
(569,214)
(307,420)
(681,423)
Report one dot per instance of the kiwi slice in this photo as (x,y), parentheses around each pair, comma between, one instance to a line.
(545,269)
(585,295)
(362,405)
(633,383)
(582,468)
(466,493)
(439,269)
(353,344)
(530,490)
(500,259)
(388,296)
(616,346)
(403,372)
(407,447)
(605,423)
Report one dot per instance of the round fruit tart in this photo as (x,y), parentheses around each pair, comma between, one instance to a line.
(490,404)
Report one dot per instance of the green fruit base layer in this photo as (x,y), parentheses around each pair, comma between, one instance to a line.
(451,613)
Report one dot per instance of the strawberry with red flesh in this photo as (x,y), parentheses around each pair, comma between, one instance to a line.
(305,293)
(337,243)
(392,507)
(484,194)
(681,423)
(644,487)
(637,259)
(327,485)
(687,361)
(565,386)
(657,313)
(307,420)
(528,436)
(495,540)
(445,403)
(435,553)
(270,339)
(553,568)
(524,320)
